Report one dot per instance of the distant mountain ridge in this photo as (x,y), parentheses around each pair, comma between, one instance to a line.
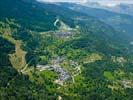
(119,8)
(123,8)
(120,22)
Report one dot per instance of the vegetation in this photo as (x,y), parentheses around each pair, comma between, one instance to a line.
(94,56)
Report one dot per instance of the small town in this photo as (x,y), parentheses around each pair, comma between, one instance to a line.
(64,75)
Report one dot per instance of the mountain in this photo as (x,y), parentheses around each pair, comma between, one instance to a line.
(93,5)
(27,14)
(41,16)
(120,8)
(120,22)
(49,51)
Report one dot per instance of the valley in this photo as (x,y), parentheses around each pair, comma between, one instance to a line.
(51,52)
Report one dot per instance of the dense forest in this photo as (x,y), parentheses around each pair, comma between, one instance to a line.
(51,52)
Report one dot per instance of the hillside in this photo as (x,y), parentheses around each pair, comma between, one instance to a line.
(48,55)
(120,22)
(122,8)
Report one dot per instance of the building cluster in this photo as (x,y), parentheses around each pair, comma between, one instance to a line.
(63,75)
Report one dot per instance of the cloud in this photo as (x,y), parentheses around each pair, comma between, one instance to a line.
(104,2)
(112,1)
(82,1)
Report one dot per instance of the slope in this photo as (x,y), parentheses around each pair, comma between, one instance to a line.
(120,22)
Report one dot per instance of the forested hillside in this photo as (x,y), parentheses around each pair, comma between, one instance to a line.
(50,52)
(121,22)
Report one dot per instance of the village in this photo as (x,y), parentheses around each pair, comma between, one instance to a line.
(64,75)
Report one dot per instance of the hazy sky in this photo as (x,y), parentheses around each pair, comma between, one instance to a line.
(63,0)
(104,2)
(113,2)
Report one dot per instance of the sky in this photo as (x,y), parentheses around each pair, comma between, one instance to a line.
(104,2)
(113,2)
(64,0)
